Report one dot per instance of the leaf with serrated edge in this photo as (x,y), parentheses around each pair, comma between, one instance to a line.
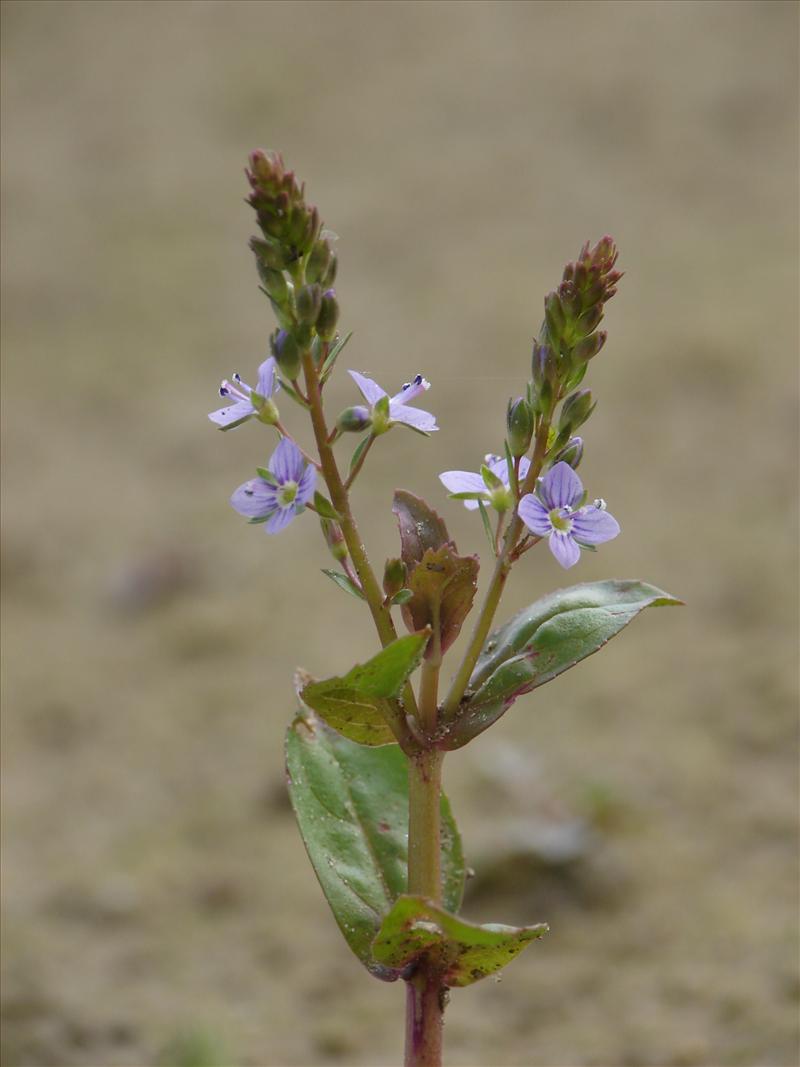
(355,704)
(443,586)
(465,952)
(351,804)
(420,527)
(545,640)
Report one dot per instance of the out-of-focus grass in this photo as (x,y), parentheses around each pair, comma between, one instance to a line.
(154,881)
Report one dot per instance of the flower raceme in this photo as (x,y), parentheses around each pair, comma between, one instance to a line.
(281,490)
(490,486)
(399,409)
(554,512)
(248,402)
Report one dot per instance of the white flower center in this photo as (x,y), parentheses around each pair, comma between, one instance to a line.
(287,494)
(561,519)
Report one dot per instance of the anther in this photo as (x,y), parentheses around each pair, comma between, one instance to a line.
(600,503)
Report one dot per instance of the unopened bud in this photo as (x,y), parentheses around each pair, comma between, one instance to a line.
(589,346)
(354,420)
(332,532)
(329,277)
(318,261)
(268,254)
(308,302)
(394,576)
(590,320)
(328,315)
(544,365)
(286,353)
(274,283)
(575,410)
(572,453)
(519,425)
(555,319)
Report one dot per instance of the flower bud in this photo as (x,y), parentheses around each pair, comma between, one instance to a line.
(318,261)
(286,353)
(329,277)
(274,283)
(575,410)
(394,576)
(589,346)
(354,420)
(519,425)
(328,315)
(308,303)
(332,532)
(572,453)
(268,254)
(555,319)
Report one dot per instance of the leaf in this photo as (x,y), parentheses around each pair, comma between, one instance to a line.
(402,596)
(487,526)
(358,452)
(443,586)
(344,582)
(543,641)
(465,951)
(351,805)
(356,704)
(266,475)
(327,366)
(325,508)
(420,527)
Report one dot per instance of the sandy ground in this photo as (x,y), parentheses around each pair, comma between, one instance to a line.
(159,905)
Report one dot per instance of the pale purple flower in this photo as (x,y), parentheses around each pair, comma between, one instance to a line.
(241,394)
(281,492)
(399,410)
(472,482)
(554,512)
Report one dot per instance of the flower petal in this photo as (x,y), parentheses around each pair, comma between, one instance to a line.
(564,548)
(286,462)
(369,389)
(280,520)
(233,415)
(463,482)
(593,525)
(524,467)
(305,487)
(561,487)
(423,421)
(266,378)
(535,515)
(255,499)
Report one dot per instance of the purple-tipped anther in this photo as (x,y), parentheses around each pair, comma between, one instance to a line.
(240,393)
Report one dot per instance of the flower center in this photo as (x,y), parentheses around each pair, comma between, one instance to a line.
(287,494)
(561,519)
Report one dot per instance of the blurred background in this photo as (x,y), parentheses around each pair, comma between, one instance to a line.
(159,906)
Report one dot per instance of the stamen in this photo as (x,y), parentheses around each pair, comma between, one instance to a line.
(223,391)
(406,385)
(600,504)
(236,376)
(417,379)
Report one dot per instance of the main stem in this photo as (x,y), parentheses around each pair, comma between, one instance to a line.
(426,993)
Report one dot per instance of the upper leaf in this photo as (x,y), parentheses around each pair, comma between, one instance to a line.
(356,704)
(443,587)
(465,951)
(351,805)
(546,639)
(420,527)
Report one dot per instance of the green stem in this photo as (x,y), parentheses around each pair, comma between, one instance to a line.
(495,591)
(340,499)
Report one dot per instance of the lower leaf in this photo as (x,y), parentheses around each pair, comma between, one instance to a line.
(465,952)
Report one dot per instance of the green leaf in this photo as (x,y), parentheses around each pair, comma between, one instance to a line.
(333,355)
(344,582)
(292,392)
(359,451)
(443,586)
(325,508)
(402,596)
(351,805)
(487,526)
(546,639)
(356,704)
(490,479)
(465,951)
(420,527)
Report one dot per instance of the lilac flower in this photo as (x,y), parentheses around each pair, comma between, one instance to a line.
(242,394)
(458,482)
(551,513)
(281,491)
(399,411)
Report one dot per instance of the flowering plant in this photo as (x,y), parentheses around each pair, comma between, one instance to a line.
(365,749)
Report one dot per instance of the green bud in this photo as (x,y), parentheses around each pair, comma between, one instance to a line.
(394,576)
(329,277)
(318,261)
(328,315)
(589,346)
(308,302)
(575,410)
(268,254)
(519,425)
(274,283)
(572,453)
(354,420)
(332,532)
(286,353)
(555,319)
